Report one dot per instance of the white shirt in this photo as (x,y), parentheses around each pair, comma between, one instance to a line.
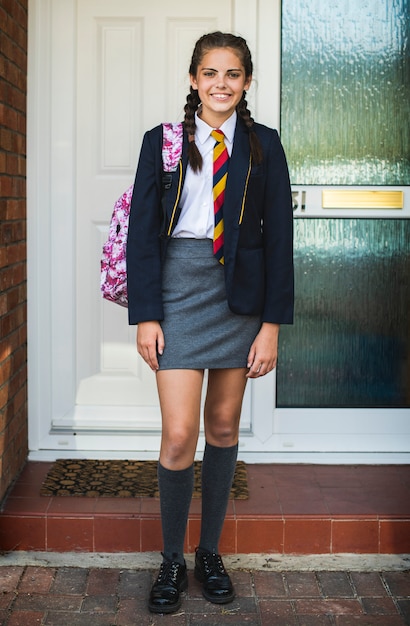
(197,206)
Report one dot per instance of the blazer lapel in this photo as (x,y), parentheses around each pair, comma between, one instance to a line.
(235,189)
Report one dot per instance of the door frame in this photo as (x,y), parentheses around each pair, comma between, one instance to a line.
(279,435)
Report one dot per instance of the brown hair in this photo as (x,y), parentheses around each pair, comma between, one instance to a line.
(203,45)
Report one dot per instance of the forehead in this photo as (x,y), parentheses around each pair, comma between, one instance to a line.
(221,59)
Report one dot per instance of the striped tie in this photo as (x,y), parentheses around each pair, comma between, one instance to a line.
(220,172)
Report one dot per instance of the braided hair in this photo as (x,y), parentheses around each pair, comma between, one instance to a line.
(203,45)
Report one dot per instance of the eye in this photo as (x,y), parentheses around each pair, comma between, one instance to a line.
(209,73)
(234,74)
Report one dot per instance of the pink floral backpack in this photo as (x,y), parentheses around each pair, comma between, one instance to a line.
(113,260)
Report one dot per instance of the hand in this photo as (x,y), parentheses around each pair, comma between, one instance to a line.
(150,342)
(263,355)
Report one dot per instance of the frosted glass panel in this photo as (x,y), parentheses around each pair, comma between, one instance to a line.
(346,91)
(350,344)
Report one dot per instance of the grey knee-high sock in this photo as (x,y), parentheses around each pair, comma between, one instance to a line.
(218,469)
(175,490)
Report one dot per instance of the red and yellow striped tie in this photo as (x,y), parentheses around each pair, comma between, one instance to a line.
(220,172)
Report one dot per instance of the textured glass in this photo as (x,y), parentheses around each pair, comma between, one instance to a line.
(346,91)
(350,344)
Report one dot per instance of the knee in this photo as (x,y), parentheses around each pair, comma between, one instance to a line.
(222,430)
(177,450)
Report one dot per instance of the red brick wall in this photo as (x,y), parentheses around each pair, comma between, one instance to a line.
(13,299)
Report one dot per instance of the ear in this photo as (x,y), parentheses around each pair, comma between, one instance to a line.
(193,82)
(248,83)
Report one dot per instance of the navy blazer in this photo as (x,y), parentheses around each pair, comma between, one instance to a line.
(258,229)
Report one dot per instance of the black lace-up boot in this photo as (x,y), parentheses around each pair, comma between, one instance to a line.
(165,592)
(210,571)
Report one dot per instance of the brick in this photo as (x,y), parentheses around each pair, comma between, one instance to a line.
(398,583)
(37,580)
(103,581)
(38,601)
(269,585)
(379,606)
(335,584)
(328,607)
(62,618)
(9,577)
(368,584)
(404,606)
(273,609)
(99,604)
(302,584)
(70,580)
(134,583)
(26,618)
(369,620)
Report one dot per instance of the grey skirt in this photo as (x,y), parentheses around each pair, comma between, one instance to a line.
(200,330)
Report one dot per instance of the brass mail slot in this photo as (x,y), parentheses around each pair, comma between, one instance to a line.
(361,199)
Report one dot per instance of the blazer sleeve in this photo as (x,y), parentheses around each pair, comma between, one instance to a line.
(143,243)
(278,236)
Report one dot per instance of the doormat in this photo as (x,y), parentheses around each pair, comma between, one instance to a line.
(123,479)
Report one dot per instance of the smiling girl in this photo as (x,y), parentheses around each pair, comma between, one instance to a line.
(209,292)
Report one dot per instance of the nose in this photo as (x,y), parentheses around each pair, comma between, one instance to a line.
(220,82)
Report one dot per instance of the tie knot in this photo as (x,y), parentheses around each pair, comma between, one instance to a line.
(218,135)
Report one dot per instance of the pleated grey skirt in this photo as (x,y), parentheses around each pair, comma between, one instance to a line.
(200,330)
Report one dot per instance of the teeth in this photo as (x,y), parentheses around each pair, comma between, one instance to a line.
(221,96)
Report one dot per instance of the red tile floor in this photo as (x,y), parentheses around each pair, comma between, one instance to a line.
(291,509)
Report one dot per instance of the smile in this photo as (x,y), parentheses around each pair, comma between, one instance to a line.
(221,96)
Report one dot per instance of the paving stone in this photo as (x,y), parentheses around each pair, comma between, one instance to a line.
(404,606)
(6,599)
(336,606)
(37,580)
(103,581)
(369,620)
(398,583)
(335,585)
(314,620)
(275,608)
(224,619)
(368,584)
(269,585)
(134,583)
(38,601)
(80,619)
(379,606)
(99,604)
(302,584)
(9,577)
(70,580)
(26,618)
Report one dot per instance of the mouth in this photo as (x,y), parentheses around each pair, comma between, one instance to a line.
(221,97)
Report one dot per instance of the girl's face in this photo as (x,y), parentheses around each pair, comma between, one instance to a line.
(220,81)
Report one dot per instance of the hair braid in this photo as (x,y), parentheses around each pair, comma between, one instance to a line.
(192,104)
(245,114)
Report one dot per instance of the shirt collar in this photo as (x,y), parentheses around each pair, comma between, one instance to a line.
(203,130)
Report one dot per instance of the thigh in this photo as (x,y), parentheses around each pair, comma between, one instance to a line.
(180,401)
(223,405)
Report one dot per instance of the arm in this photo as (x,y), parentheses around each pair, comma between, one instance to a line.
(278,236)
(143,244)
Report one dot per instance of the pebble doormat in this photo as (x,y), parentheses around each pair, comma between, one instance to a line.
(120,478)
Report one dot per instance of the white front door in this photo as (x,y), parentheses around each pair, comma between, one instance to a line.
(101,73)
